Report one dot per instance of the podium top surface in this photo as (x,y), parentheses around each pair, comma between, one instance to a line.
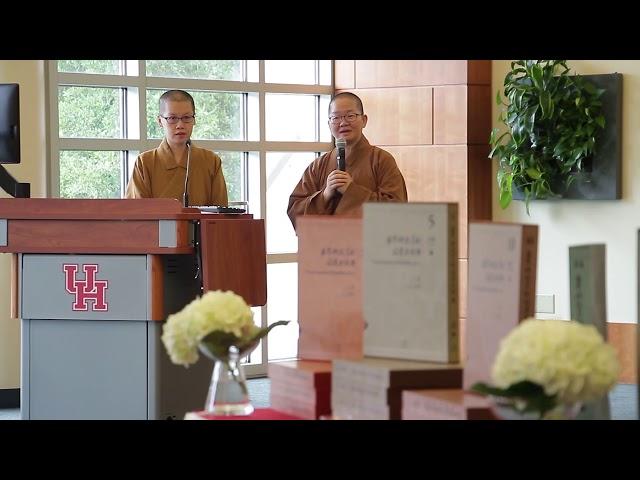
(99,209)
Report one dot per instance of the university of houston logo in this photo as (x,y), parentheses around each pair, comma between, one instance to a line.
(87,289)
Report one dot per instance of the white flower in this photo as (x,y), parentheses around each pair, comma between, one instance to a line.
(567,359)
(214,311)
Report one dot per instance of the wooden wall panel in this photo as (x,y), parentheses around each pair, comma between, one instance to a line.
(344,74)
(398,116)
(480,182)
(479,72)
(450,115)
(436,174)
(624,338)
(410,73)
(478,122)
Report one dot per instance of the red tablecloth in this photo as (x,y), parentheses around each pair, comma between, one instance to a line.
(258,414)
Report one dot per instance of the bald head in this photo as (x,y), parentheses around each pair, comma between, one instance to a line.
(347,95)
(175,96)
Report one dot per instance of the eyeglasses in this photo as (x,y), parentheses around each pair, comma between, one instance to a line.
(172,119)
(349,117)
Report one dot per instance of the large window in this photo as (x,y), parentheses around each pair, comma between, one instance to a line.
(266,120)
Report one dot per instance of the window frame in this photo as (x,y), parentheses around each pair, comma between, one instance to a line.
(135,83)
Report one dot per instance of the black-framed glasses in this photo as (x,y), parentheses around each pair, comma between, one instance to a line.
(349,117)
(173,119)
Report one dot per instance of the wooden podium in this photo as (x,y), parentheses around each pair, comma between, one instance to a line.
(93,281)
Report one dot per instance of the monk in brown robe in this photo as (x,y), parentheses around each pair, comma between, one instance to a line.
(161,172)
(371,174)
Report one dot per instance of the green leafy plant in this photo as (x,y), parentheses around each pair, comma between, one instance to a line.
(553,120)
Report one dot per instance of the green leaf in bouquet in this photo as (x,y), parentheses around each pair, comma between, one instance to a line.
(530,394)
(252,342)
(216,344)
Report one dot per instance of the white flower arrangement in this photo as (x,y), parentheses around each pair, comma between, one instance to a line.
(214,321)
(544,364)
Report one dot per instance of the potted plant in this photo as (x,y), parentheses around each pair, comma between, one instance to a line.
(553,120)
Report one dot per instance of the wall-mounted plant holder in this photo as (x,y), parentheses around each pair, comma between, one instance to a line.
(602,178)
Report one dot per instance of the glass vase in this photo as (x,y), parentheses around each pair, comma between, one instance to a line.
(228,393)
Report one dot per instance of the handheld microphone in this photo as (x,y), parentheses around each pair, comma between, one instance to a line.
(185,195)
(341,144)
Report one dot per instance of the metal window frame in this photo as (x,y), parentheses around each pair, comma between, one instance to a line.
(134,82)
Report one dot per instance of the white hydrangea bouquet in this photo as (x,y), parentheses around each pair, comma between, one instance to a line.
(546,368)
(213,322)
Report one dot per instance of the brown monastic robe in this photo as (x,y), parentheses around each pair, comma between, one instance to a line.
(157,175)
(376,178)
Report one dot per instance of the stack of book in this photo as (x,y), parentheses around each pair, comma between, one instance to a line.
(301,388)
(329,313)
(501,293)
(371,388)
(449,404)
(410,308)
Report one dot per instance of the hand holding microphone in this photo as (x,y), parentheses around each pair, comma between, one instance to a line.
(339,179)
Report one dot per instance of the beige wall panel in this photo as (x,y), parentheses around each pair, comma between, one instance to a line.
(398,116)
(344,74)
(436,174)
(450,115)
(410,73)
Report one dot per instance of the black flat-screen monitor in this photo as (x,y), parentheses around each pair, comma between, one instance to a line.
(9,123)
(10,139)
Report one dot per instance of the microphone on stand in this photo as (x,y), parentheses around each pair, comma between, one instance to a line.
(341,144)
(185,195)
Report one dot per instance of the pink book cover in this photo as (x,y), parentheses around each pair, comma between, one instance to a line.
(329,287)
(501,290)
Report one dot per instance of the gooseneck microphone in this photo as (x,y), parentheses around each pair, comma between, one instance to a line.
(185,195)
(341,145)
